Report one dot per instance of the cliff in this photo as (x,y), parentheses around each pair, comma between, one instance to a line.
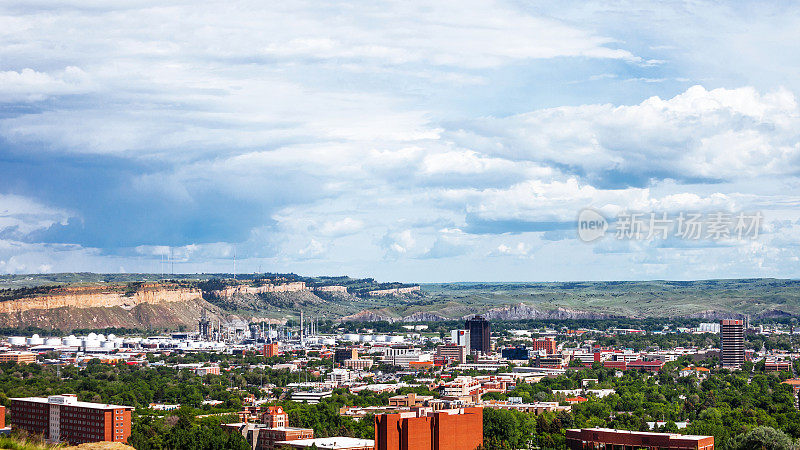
(424,317)
(524,312)
(146,306)
(367,316)
(102,297)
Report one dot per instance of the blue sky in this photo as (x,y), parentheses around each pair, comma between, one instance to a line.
(416,141)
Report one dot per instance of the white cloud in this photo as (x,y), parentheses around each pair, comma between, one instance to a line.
(341,227)
(20,216)
(721,133)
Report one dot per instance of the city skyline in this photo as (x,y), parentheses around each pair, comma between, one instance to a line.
(402,141)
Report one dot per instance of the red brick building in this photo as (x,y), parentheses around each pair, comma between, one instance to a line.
(452,429)
(271,350)
(605,438)
(62,418)
(546,344)
(262,437)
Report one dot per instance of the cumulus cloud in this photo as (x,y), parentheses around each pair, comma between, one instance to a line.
(297,136)
(719,134)
(20,216)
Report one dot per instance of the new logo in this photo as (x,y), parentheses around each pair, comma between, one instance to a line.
(591,225)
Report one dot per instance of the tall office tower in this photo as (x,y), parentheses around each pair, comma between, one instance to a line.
(732,343)
(479,340)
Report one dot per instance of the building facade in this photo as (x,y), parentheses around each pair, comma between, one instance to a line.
(62,418)
(479,334)
(547,344)
(606,438)
(453,429)
(452,353)
(732,343)
(18,357)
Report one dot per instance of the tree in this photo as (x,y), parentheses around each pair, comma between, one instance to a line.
(763,438)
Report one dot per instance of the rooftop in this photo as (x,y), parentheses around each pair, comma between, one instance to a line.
(70,400)
(338,442)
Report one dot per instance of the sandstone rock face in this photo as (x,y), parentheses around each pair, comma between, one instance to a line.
(230,291)
(100,296)
(524,312)
(424,317)
(394,291)
(366,316)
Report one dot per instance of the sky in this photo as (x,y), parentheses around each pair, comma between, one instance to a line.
(412,141)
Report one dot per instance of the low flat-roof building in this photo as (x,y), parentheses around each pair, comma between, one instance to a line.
(409,400)
(606,438)
(18,357)
(311,397)
(331,443)
(264,437)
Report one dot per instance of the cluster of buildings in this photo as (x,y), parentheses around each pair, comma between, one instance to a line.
(267,428)
(452,420)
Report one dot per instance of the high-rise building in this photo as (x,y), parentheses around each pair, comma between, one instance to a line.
(732,343)
(460,337)
(450,429)
(479,331)
(62,418)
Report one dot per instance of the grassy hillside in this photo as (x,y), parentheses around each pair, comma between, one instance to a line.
(707,298)
(762,296)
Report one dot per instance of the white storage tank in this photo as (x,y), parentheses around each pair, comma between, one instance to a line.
(72,341)
(380,338)
(16,340)
(54,341)
(91,343)
(107,345)
(395,339)
(367,338)
(351,337)
(35,340)
(329,341)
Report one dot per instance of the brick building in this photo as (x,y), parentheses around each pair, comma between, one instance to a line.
(453,429)
(605,438)
(271,350)
(62,418)
(452,353)
(409,400)
(18,357)
(263,437)
(546,344)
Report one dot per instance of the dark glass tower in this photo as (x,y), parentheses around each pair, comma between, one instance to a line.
(479,331)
